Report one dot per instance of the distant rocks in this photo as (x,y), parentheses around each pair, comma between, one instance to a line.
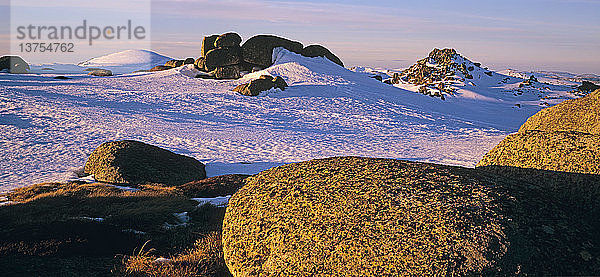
(133,162)
(351,216)
(101,73)
(564,138)
(13,64)
(160,68)
(587,86)
(264,83)
(172,64)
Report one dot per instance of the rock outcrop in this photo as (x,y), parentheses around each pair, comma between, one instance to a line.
(258,50)
(133,162)
(264,83)
(101,73)
(587,86)
(354,216)
(13,64)
(320,51)
(565,138)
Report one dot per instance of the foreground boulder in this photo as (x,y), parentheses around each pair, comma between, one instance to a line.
(580,115)
(264,83)
(354,216)
(258,50)
(565,138)
(13,64)
(134,162)
(320,51)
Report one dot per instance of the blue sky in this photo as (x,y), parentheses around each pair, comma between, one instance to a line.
(549,35)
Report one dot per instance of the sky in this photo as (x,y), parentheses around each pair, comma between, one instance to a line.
(528,34)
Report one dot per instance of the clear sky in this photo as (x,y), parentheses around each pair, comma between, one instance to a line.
(526,34)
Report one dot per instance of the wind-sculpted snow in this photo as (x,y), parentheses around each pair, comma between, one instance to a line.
(49,127)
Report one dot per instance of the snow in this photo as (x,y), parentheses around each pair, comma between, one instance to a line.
(51,126)
(220,201)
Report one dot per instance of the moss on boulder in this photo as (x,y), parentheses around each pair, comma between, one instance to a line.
(378,217)
(134,162)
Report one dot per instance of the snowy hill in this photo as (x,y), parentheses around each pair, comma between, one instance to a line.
(51,126)
(127,61)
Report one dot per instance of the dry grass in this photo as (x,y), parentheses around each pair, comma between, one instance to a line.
(377,217)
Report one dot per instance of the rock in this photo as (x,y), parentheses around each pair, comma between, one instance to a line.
(208,43)
(255,87)
(200,64)
(477,64)
(266,77)
(228,40)
(160,68)
(470,68)
(62,78)
(101,73)
(579,115)
(320,51)
(351,216)
(587,86)
(13,64)
(256,69)
(189,61)
(378,78)
(222,57)
(258,50)
(228,72)
(280,83)
(489,73)
(133,162)
(174,63)
(214,187)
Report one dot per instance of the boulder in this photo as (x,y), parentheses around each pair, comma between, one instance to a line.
(587,86)
(228,40)
(13,64)
(227,72)
(320,51)
(258,50)
(200,64)
(189,61)
(255,87)
(214,187)
(580,115)
(280,83)
(351,216)
(160,68)
(222,57)
(174,63)
(566,151)
(101,73)
(208,43)
(134,162)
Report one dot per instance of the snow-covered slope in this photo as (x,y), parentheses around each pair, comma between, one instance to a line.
(49,127)
(127,61)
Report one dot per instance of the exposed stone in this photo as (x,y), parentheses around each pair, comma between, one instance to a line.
(258,50)
(280,83)
(227,72)
(255,87)
(13,64)
(228,40)
(378,78)
(214,187)
(134,162)
(320,51)
(220,57)
(174,63)
(189,61)
(160,68)
(587,86)
(208,43)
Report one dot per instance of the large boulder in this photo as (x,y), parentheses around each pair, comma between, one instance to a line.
(222,57)
(214,187)
(354,216)
(13,64)
(264,83)
(208,43)
(228,40)
(320,51)
(134,162)
(581,115)
(258,50)
(227,72)
(557,151)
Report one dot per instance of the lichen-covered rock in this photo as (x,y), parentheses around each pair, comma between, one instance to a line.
(557,151)
(174,63)
(13,64)
(581,115)
(208,43)
(258,50)
(222,57)
(101,73)
(320,51)
(354,216)
(255,87)
(227,72)
(228,40)
(160,68)
(134,162)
